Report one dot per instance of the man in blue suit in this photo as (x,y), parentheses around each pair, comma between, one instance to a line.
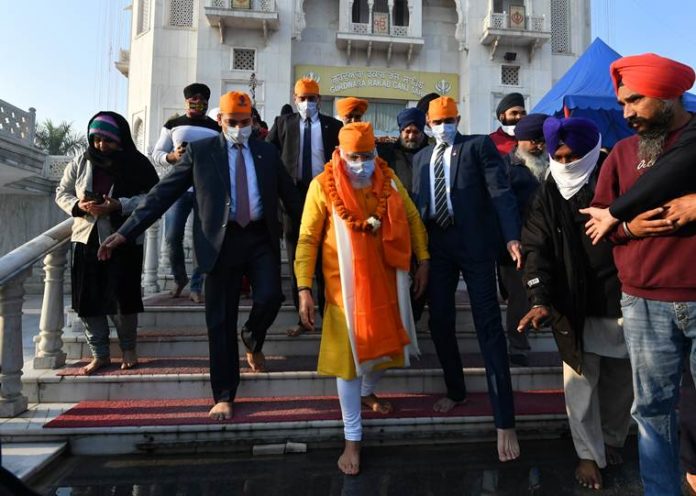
(237,184)
(463,193)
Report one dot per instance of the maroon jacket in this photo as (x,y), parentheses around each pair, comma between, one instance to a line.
(656,268)
(503,141)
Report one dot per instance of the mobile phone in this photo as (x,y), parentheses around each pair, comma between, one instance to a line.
(92,196)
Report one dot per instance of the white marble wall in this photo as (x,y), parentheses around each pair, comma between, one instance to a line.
(24,217)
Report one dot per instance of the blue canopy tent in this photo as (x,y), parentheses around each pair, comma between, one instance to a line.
(586,90)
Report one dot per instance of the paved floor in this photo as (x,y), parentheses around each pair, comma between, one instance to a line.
(471,469)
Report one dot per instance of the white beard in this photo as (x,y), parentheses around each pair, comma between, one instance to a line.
(538,165)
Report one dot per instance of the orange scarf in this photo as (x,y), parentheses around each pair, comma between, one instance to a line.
(379,331)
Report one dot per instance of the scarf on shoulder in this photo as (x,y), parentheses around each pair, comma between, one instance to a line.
(378,328)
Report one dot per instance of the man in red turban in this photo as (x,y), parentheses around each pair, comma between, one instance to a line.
(654,261)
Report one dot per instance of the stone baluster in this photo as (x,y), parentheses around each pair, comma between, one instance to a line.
(49,349)
(390,8)
(152,259)
(12,401)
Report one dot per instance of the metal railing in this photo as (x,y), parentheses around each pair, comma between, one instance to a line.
(51,246)
(501,20)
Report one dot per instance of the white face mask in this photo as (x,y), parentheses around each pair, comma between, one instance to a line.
(361,170)
(307,109)
(445,132)
(238,135)
(509,130)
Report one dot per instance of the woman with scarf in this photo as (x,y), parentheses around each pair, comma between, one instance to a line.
(363,221)
(100,188)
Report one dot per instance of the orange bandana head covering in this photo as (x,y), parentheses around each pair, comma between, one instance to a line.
(442,108)
(345,106)
(235,102)
(306,86)
(356,137)
(652,75)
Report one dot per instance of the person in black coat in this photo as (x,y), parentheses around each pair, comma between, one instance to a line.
(238,183)
(527,166)
(462,192)
(305,140)
(573,286)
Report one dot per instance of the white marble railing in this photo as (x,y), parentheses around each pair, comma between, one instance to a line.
(501,20)
(55,165)
(51,246)
(364,28)
(17,123)
(257,5)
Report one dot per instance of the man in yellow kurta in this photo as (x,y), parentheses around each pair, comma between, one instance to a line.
(361,217)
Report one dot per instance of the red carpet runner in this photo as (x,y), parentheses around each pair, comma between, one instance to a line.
(102,414)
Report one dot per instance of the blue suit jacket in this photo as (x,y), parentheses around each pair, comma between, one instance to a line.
(205,167)
(483,203)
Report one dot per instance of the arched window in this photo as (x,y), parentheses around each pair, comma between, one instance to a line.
(361,12)
(401,13)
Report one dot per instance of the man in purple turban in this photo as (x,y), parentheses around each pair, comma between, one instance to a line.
(573,286)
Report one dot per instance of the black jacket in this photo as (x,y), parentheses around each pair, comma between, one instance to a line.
(400,160)
(285,136)
(563,271)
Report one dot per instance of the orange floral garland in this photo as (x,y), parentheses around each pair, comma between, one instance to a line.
(356,224)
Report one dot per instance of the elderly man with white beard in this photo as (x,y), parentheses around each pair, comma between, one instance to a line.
(527,166)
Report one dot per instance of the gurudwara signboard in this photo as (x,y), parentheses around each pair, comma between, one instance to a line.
(375,82)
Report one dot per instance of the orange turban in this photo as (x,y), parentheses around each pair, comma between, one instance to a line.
(347,105)
(652,75)
(356,137)
(235,102)
(306,86)
(442,108)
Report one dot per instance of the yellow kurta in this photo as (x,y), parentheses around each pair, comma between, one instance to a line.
(317,231)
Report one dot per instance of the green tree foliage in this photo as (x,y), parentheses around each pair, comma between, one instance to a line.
(59,139)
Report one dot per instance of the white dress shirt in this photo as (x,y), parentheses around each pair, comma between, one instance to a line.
(317,148)
(446,157)
(255,205)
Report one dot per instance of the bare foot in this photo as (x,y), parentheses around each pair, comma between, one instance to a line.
(588,475)
(376,405)
(256,361)
(95,364)
(690,484)
(129,360)
(613,455)
(295,330)
(196,297)
(178,288)
(444,405)
(508,445)
(349,461)
(221,411)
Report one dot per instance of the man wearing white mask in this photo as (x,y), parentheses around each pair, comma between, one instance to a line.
(362,219)
(573,286)
(463,193)
(237,184)
(305,140)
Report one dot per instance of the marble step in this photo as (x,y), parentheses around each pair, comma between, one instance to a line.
(194,342)
(187,377)
(272,437)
